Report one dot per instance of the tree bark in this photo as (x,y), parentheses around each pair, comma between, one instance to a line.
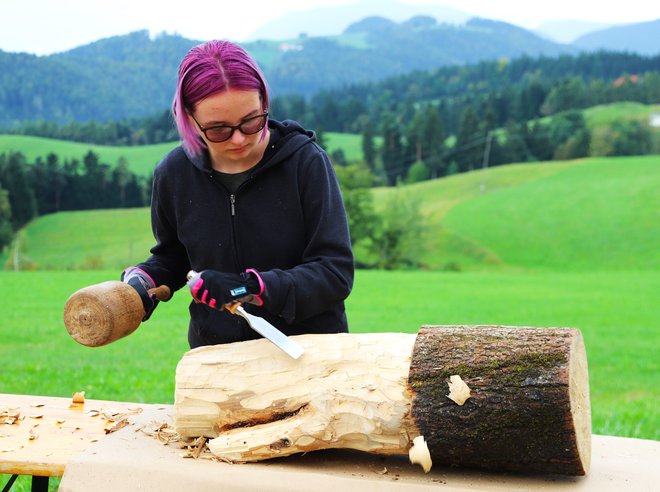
(527,410)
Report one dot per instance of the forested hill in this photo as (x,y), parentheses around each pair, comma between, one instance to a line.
(134,75)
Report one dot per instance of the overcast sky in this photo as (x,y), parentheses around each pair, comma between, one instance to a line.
(48,26)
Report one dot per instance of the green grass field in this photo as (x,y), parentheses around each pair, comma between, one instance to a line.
(614,311)
(141,159)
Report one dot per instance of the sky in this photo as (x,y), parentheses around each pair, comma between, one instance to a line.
(48,26)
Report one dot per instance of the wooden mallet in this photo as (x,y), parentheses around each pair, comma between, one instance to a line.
(102,313)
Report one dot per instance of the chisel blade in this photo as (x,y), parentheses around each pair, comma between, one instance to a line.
(266,330)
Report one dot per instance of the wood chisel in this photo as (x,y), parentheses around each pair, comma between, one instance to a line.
(260,325)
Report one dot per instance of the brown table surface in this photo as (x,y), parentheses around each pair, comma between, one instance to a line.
(60,430)
(73,437)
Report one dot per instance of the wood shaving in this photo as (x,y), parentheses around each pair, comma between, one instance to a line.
(117,415)
(33,434)
(78,397)
(61,421)
(37,416)
(197,448)
(38,405)
(115,426)
(161,431)
(9,415)
(419,454)
(459,392)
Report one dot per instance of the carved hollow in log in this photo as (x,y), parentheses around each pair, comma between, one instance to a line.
(528,405)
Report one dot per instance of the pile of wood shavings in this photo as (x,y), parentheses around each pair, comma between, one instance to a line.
(194,448)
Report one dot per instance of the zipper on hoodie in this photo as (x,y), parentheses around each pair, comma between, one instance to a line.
(232,200)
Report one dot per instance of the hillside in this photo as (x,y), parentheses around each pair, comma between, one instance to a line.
(591,215)
(639,38)
(134,75)
(141,158)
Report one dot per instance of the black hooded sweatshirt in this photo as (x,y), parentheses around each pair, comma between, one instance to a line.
(286,220)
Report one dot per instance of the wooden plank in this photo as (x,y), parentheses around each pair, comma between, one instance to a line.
(50,430)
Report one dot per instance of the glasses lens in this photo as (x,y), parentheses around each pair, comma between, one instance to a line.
(218,133)
(253,125)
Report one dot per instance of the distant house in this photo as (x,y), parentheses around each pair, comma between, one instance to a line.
(633,79)
(290,47)
(654,120)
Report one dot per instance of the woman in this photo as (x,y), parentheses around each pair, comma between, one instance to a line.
(251,203)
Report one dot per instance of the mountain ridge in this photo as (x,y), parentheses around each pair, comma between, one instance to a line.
(134,75)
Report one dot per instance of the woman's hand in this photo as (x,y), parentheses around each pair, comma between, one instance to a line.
(216,289)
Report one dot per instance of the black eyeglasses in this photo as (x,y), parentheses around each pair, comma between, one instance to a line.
(248,126)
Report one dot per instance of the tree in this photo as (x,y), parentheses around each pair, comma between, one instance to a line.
(469,141)
(368,146)
(398,241)
(6,231)
(434,150)
(14,179)
(355,182)
(392,150)
(569,135)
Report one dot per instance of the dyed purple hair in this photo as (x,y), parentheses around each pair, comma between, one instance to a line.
(209,68)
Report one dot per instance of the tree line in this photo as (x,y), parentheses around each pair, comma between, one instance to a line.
(28,190)
(515,91)
(414,127)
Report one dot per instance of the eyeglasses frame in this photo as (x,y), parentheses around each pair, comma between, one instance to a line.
(233,127)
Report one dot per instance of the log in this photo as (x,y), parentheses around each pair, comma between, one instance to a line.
(524,407)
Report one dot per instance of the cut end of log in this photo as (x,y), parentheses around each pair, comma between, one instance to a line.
(579,400)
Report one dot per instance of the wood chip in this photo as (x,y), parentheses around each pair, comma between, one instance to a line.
(9,415)
(116,415)
(38,405)
(419,454)
(33,434)
(459,392)
(37,416)
(115,426)
(78,397)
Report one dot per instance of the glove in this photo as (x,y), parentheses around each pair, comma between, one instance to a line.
(141,282)
(215,289)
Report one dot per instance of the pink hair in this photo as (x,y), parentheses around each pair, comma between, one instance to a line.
(209,68)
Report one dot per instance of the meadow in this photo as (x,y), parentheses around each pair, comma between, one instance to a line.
(614,311)
(573,244)
(141,159)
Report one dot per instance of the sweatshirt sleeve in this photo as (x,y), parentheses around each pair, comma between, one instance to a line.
(168,263)
(325,275)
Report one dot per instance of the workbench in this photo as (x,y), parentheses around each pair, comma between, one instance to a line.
(132,459)
(49,431)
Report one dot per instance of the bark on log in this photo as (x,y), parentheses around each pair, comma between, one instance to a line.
(528,408)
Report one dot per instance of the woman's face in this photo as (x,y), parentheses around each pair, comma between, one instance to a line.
(231,107)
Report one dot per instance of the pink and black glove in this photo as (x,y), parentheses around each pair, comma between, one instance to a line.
(141,281)
(216,289)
